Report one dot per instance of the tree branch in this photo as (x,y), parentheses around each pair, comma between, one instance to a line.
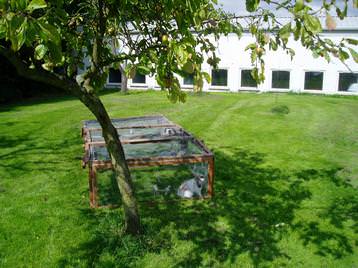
(38,75)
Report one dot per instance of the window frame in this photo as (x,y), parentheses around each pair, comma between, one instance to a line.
(187,85)
(114,83)
(289,81)
(145,84)
(216,87)
(304,80)
(240,81)
(337,87)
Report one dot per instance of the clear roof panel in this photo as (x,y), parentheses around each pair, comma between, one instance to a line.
(140,133)
(132,122)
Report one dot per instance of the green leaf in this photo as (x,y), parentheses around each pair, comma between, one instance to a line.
(143,70)
(207,77)
(40,51)
(55,52)
(297,30)
(49,32)
(130,71)
(354,54)
(36,4)
(343,55)
(21,4)
(2,28)
(299,5)
(273,45)
(329,41)
(315,54)
(252,5)
(251,46)
(352,41)
(188,67)
(326,56)
(285,31)
(18,27)
(13,5)
(291,52)
(4,5)
(312,23)
(253,56)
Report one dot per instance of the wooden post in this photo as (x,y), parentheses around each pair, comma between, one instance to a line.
(90,184)
(211,177)
(94,187)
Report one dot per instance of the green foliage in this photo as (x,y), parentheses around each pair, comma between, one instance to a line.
(354,54)
(163,38)
(312,24)
(36,4)
(252,5)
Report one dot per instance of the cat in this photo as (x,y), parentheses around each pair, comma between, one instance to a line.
(192,187)
(169,132)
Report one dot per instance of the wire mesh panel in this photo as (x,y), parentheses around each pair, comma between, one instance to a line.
(107,188)
(173,148)
(156,183)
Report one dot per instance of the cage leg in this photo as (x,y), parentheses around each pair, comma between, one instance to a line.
(211,177)
(93,187)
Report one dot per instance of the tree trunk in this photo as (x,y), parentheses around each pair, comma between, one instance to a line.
(115,150)
(124,79)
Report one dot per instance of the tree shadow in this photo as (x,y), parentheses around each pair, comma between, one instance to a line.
(253,209)
(328,243)
(27,152)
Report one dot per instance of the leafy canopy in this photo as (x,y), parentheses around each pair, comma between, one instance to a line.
(161,37)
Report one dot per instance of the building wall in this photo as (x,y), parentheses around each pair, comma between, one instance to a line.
(234,58)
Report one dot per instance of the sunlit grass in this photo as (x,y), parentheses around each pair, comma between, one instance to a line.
(285,186)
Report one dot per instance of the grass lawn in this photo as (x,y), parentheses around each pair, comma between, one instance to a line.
(286,186)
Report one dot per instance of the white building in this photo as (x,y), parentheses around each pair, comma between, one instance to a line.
(303,74)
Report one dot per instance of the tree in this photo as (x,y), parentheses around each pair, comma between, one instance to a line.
(124,78)
(48,41)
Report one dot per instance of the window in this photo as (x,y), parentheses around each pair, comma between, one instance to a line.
(219,77)
(188,80)
(313,80)
(280,79)
(115,76)
(247,80)
(348,82)
(138,78)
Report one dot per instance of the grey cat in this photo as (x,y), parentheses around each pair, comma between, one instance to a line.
(192,187)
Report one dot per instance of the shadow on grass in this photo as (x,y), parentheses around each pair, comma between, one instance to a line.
(253,209)
(60,97)
(26,153)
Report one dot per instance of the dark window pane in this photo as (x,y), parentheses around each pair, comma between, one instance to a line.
(313,80)
(115,76)
(280,79)
(139,79)
(189,79)
(348,82)
(247,80)
(219,77)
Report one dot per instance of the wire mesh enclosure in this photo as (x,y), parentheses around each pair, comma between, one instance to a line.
(166,161)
